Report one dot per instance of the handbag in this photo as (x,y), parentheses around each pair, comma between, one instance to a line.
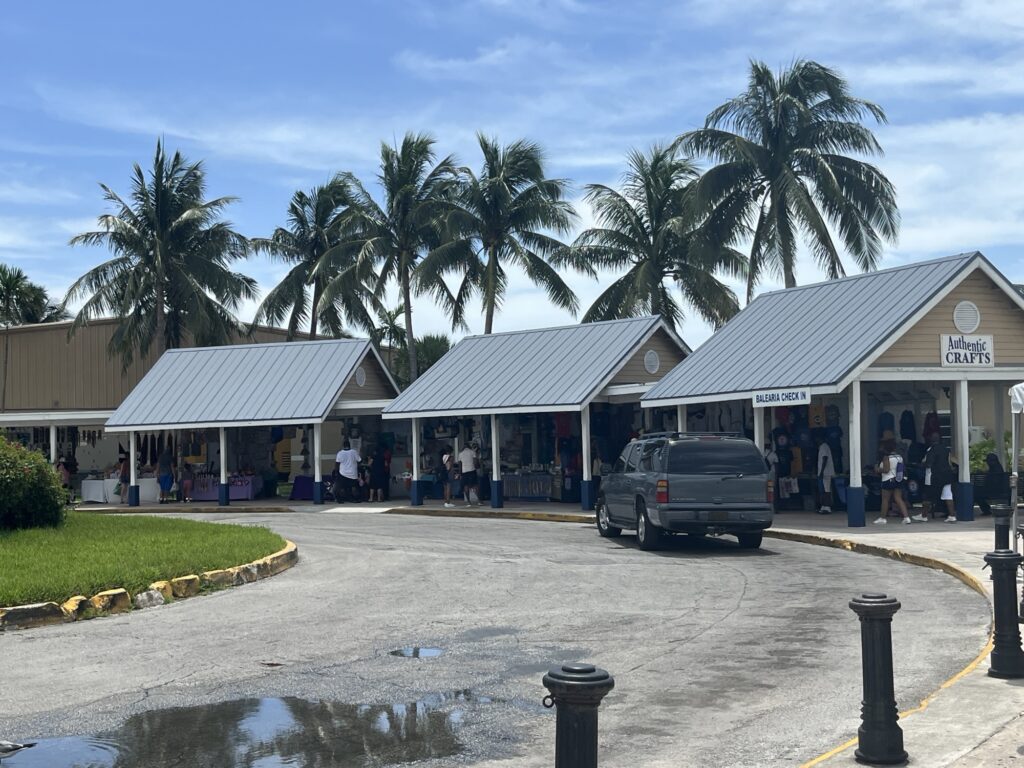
(117,489)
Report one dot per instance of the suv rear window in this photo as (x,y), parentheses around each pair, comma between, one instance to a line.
(714,457)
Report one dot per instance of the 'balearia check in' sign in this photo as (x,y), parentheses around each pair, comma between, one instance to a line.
(960,351)
(778,397)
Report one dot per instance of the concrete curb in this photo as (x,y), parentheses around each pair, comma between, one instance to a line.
(923,561)
(186,509)
(118,600)
(492,514)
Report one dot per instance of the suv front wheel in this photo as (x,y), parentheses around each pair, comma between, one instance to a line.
(604,521)
(648,536)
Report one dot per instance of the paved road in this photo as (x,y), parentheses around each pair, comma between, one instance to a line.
(722,657)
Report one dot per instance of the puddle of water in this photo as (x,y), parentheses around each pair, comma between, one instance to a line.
(268,733)
(417,652)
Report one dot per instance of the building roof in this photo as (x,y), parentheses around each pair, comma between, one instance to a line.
(810,336)
(285,383)
(549,369)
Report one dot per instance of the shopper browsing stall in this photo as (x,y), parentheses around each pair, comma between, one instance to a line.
(470,483)
(346,469)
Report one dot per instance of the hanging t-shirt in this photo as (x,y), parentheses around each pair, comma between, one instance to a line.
(886,423)
(908,430)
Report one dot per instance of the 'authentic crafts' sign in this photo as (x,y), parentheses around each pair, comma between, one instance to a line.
(770,398)
(962,351)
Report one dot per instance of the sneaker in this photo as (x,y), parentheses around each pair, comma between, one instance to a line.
(907,521)
(824,511)
(881,521)
(448,505)
(951,519)
(919,518)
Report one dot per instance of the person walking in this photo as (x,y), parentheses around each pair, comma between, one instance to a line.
(187,481)
(470,481)
(346,469)
(938,465)
(378,474)
(123,478)
(165,473)
(445,475)
(826,472)
(891,468)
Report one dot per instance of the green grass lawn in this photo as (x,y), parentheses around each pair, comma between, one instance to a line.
(92,552)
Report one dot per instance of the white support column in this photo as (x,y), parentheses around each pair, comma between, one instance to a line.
(680,418)
(999,401)
(495,449)
(53,443)
(415,450)
(318,474)
(585,439)
(648,418)
(963,432)
(759,428)
(856,443)
(133,471)
(223,456)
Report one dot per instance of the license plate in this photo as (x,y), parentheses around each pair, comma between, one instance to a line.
(718,516)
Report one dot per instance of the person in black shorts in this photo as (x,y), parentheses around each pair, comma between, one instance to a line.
(470,483)
(444,474)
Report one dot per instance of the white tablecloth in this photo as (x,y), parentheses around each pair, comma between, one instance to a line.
(93,490)
(102,491)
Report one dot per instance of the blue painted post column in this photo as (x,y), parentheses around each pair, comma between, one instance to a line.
(587,495)
(965,495)
(133,471)
(224,491)
(855,491)
(415,490)
(497,487)
(318,473)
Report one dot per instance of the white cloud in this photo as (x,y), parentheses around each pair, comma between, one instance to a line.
(18,192)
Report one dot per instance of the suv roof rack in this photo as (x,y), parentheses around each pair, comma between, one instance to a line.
(649,435)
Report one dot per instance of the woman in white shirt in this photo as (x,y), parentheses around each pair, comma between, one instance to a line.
(891,469)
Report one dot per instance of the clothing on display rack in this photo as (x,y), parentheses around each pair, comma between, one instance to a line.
(908,429)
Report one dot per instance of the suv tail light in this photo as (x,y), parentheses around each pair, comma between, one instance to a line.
(661,494)
(771,492)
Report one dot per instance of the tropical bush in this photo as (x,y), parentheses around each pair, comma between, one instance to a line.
(31,495)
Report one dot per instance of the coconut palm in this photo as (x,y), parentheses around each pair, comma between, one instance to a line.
(390,332)
(41,308)
(784,170)
(315,226)
(392,238)
(169,279)
(502,217)
(21,302)
(649,229)
(430,347)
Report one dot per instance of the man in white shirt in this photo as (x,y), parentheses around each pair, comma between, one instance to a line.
(470,481)
(826,473)
(346,468)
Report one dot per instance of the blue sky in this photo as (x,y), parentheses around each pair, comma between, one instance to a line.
(276,97)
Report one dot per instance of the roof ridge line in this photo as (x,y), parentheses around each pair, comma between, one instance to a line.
(264,344)
(567,326)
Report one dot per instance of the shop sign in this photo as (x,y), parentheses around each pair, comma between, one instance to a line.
(777,397)
(963,351)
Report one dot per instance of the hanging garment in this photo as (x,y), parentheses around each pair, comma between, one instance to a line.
(931,427)
(886,423)
(816,415)
(908,430)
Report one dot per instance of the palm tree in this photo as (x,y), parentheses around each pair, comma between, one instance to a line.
(169,277)
(430,347)
(781,171)
(19,299)
(315,226)
(649,229)
(389,331)
(498,219)
(392,238)
(41,308)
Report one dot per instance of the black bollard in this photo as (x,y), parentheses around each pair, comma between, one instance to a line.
(1001,514)
(576,692)
(1007,656)
(880,736)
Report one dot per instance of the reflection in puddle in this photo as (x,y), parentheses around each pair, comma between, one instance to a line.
(268,733)
(417,652)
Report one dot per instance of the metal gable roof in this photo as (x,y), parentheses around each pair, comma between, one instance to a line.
(291,382)
(545,368)
(809,336)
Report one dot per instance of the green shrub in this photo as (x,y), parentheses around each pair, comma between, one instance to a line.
(31,495)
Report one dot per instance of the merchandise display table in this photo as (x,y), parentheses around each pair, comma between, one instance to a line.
(94,490)
(240,488)
(536,487)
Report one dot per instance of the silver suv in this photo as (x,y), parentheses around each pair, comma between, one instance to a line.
(687,483)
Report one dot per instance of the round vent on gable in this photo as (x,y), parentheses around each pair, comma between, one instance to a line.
(966,317)
(651,361)
(360,376)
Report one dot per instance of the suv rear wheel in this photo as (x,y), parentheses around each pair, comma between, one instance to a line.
(647,534)
(604,521)
(750,540)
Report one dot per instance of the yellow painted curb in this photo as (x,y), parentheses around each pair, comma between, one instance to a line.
(492,514)
(42,614)
(923,561)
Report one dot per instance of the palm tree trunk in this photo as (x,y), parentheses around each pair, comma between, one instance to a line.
(314,313)
(490,290)
(161,320)
(410,337)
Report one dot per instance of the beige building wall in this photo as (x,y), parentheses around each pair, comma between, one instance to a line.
(1001,318)
(669,356)
(50,371)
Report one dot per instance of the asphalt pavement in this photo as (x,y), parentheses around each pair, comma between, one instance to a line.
(722,656)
